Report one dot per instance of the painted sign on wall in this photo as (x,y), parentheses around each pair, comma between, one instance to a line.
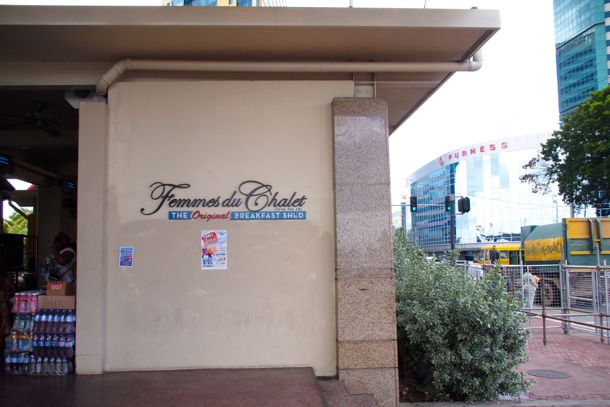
(252,200)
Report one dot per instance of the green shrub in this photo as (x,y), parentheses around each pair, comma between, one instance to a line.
(458,339)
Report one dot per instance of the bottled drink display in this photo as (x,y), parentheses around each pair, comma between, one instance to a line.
(41,341)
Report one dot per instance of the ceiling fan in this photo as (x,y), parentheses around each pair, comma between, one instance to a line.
(36,119)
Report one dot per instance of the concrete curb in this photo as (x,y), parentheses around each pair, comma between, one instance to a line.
(507,403)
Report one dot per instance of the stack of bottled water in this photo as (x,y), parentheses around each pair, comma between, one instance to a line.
(49,366)
(18,349)
(53,342)
(41,341)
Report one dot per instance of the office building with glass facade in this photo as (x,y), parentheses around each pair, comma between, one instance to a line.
(487,173)
(581,27)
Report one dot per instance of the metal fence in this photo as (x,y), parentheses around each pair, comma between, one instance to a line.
(587,293)
(544,287)
(575,296)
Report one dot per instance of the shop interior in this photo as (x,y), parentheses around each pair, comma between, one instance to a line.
(38,179)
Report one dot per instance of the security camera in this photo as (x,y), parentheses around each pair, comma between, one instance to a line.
(77,95)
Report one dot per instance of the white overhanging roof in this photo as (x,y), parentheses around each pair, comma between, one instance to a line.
(74,46)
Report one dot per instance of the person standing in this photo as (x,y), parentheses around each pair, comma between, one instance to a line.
(475,270)
(494,256)
(530,285)
(64,257)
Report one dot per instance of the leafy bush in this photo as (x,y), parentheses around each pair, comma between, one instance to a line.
(17,224)
(458,339)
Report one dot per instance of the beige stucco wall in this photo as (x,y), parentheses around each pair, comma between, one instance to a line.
(91,266)
(275,305)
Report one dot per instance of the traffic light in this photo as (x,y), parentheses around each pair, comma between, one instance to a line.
(464,205)
(413,204)
(448,203)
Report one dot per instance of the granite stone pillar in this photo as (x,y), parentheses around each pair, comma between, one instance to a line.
(366,305)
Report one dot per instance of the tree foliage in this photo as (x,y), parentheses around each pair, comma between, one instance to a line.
(458,338)
(17,224)
(577,156)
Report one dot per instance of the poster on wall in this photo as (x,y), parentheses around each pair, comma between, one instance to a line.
(213,250)
(126,256)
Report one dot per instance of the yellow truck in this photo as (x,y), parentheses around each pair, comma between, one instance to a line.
(574,241)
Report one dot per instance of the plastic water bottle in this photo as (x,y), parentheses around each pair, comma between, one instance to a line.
(45,366)
(34,303)
(21,363)
(44,321)
(32,366)
(25,363)
(62,321)
(38,370)
(58,367)
(49,318)
(51,368)
(51,325)
(22,303)
(18,325)
(64,366)
(56,322)
(69,321)
(36,321)
(16,362)
(69,324)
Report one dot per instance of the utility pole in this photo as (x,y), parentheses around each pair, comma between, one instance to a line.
(452,226)
(450,208)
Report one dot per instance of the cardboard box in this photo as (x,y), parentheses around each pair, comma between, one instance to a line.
(60,288)
(56,302)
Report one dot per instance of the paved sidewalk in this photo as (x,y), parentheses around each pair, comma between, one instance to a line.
(580,355)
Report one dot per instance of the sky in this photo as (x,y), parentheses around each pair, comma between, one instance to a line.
(513,94)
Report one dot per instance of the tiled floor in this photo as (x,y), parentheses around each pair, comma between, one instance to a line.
(583,357)
(184,388)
